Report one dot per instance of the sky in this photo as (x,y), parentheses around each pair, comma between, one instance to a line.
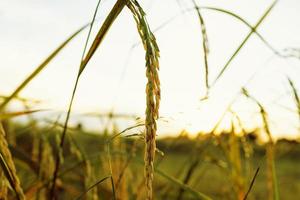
(115,77)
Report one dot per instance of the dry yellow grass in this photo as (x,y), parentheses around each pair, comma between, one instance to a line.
(10,169)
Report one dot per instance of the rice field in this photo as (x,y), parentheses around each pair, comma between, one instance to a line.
(55,158)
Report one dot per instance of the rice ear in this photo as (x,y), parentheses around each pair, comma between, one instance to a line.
(152,90)
(8,166)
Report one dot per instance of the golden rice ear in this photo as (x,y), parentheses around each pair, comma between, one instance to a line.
(152,90)
(8,166)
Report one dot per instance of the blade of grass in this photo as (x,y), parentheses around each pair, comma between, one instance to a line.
(195,193)
(272,184)
(110,170)
(246,23)
(90,188)
(296,96)
(113,187)
(239,18)
(118,7)
(188,176)
(22,99)
(244,42)
(90,30)
(9,115)
(235,161)
(251,184)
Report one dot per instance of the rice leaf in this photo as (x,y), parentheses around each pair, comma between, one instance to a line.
(251,184)
(296,95)
(9,115)
(272,183)
(81,196)
(244,42)
(118,7)
(175,181)
(246,23)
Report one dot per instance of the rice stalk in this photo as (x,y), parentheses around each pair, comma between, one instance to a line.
(193,192)
(220,10)
(8,166)
(296,96)
(46,168)
(176,182)
(91,187)
(123,171)
(152,90)
(193,166)
(239,18)
(118,7)
(119,166)
(204,44)
(89,178)
(247,148)
(272,185)
(111,171)
(236,166)
(271,173)
(90,29)
(291,53)
(251,184)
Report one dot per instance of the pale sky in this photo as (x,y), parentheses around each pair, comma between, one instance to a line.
(115,77)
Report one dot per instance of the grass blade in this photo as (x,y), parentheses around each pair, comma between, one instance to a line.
(175,181)
(119,5)
(9,115)
(296,96)
(244,42)
(272,184)
(251,184)
(239,18)
(90,29)
(90,188)
(246,23)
